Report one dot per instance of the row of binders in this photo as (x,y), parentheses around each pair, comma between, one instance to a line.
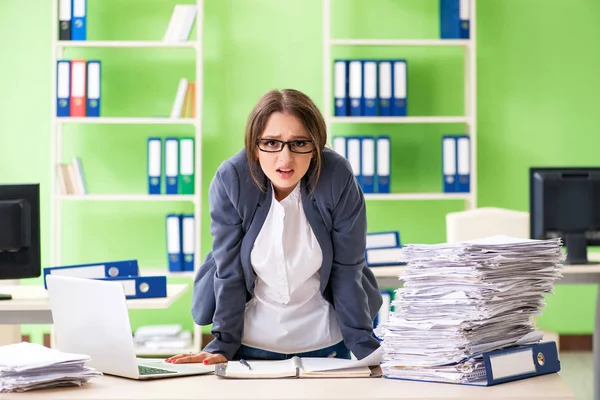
(126,272)
(72,21)
(369,157)
(78,88)
(71,178)
(177,156)
(180,230)
(456,161)
(370,88)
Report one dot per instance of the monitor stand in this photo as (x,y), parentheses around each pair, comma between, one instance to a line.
(577,249)
(5,296)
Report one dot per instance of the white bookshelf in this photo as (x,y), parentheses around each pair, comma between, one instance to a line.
(470,90)
(60,50)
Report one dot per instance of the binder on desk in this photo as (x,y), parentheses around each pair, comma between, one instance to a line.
(154,164)
(77,106)
(367,175)
(455,19)
(174,252)
(369,105)
(186,165)
(463,167)
(378,240)
(384,256)
(78,20)
(64,20)
(506,365)
(142,287)
(386,307)
(189,241)
(339,145)
(353,155)
(386,77)
(96,270)
(399,88)
(340,87)
(93,88)
(449,163)
(355,87)
(172,165)
(383,164)
(63,88)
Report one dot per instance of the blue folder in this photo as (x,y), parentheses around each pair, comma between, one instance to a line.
(63,88)
(340,88)
(79,20)
(96,270)
(142,287)
(454,19)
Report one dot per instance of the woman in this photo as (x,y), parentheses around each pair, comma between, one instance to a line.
(286,275)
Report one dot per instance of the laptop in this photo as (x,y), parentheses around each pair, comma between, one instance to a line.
(91,317)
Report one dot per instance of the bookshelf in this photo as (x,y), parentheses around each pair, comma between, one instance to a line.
(469,120)
(58,201)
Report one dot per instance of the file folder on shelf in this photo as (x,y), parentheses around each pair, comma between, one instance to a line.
(142,287)
(355,87)
(383,156)
(64,20)
(96,270)
(63,88)
(172,165)
(186,166)
(378,240)
(449,163)
(93,88)
(78,78)
(400,96)
(188,242)
(340,87)
(386,77)
(369,104)
(367,176)
(79,20)
(353,155)
(174,251)
(154,165)
(463,166)
(339,145)
(455,19)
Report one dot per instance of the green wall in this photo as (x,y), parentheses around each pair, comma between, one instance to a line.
(536,85)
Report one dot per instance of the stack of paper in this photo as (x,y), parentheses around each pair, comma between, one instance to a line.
(460,300)
(160,337)
(26,366)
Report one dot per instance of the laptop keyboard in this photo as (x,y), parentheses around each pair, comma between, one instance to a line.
(153,371)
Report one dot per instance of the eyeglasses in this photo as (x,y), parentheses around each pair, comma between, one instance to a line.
(295,146)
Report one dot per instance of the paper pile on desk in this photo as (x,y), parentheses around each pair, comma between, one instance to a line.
(26,366)
(459,300)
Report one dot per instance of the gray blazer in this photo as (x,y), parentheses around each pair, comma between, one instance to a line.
(336,213)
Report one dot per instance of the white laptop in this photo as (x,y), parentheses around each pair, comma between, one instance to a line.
(91,317)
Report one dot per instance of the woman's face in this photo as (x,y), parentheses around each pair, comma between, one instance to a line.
(284,168)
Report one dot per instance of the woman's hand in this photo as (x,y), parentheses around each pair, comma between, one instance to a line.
(202,357)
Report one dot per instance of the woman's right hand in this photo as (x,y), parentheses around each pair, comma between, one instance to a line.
(202,357)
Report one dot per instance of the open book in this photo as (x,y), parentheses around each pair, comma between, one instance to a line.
(301,367)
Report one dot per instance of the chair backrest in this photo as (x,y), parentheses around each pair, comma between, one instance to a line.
(486,221)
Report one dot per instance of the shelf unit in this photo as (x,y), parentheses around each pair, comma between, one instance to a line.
(470,90)
(60,51)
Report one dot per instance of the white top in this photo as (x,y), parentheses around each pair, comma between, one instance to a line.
(287,313)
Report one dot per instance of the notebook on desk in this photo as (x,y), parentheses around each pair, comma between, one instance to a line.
(302,367)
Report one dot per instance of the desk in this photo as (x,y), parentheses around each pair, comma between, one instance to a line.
(211,387)
(572,274)
(30,304)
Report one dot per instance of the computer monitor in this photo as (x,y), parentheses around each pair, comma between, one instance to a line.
(565,203)
(19,232)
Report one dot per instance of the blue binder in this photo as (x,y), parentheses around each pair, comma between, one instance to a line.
(174,242)
(340,88)
(188,246)
(400,88)
(367,157)
(355,87)
(518,362)
(383,157)
(463,164)
(376,240)
(96,270)
(172,165)
(386,78)
(63,88)
(142,287)
(369,99)
(79,20)
(93,88)
(154,164)
(449,163)
(455,19)
(353,154)
(384,257)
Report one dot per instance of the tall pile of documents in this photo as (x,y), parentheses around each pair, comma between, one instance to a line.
(460,300)
(26,366)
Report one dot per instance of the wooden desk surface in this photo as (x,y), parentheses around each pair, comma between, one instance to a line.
(211,387)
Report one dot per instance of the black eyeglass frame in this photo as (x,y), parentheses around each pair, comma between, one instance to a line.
(289,144)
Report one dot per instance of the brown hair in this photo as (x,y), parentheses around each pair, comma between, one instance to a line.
(292,102)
